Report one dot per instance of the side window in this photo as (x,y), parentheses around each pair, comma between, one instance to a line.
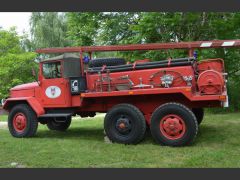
(52,70)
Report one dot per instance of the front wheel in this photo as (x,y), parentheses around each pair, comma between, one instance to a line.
(22,121)
(173,124)
(59,126)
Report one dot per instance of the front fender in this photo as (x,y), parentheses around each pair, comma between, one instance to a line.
(32,102)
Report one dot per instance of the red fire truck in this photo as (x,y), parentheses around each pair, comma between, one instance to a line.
(167,96)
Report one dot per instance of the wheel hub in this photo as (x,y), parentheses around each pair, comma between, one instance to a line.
(172,127)
(19,122)
(123,125)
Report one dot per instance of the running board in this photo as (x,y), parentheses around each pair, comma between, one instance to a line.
(55,116)
(52,115)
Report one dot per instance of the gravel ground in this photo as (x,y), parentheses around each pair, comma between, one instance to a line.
(3,125)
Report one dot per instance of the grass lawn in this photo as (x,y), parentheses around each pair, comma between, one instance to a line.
(3,118)
(217,145)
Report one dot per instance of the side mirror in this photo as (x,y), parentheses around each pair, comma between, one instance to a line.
(34,75)
(33,72)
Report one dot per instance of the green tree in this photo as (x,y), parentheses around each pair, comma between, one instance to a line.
(116,27)
(15,63)
(9,42)
(48,29)
(83,28)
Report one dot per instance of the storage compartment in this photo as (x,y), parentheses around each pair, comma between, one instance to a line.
(211,64)
(77,85)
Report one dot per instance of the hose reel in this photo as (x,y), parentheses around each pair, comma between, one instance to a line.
(210,82)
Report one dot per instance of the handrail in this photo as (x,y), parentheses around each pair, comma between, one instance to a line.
(152,46)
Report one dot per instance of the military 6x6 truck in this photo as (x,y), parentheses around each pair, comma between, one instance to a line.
(166,96)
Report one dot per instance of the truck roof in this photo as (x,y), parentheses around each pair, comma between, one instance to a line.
(65,56)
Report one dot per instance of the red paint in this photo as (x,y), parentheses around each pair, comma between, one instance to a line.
(122,125)
(32,101)
(211,64)
(145,74)
(103,67)
(142,61)
(22,93)
(81,62)
(147,99)
(58,82)
(138,47)
(191,51)
(169,62)
(134,65)
(210,82)
(172,127)
(19,122)
(25,86)
(75,101)
(148,117)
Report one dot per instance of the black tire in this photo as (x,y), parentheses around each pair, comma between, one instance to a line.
(106,61)
(187,122)
(134,124)
(31,122)
(199,113)
(59,126)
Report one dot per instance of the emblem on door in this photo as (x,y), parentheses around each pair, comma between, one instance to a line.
(53,92)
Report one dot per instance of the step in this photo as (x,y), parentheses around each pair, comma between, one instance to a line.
(56,115)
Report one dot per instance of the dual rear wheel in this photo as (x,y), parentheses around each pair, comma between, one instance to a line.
(172,124)
(199,113)
(125,124)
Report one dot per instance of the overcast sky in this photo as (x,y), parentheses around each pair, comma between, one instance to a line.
(18,19)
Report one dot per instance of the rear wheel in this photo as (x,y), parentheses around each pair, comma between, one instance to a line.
(199,113)
(173,124)
(59,126)
(125,124)
(22,121)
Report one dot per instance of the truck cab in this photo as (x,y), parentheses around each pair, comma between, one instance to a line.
(60,77)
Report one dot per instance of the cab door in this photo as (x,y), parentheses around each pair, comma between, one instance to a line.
(53,84)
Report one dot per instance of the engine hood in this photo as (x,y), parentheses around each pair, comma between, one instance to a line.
(25,86)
